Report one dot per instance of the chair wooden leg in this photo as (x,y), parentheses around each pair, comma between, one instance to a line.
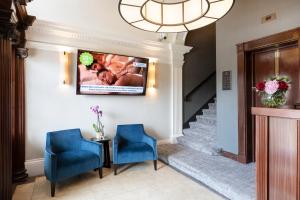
(100,172)
(52,189)
(116,169)
(155,164)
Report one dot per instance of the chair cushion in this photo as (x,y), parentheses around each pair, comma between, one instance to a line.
(71,163)
(134,152)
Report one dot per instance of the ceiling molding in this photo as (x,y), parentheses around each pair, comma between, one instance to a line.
(52,36)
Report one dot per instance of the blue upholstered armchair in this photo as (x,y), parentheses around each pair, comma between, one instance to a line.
(131,145)
(68,154)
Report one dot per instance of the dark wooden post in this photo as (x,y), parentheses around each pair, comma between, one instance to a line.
(5,101)
(18,142)
(5,119)
(12,110)
(20,53)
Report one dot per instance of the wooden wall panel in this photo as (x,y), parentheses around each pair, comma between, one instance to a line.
(283,159)
(298,160)
(278,153)
(262,157)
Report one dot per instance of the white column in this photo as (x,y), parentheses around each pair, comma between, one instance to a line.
(177,55)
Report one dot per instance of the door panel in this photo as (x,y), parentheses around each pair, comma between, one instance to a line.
(264,67)
(289,66)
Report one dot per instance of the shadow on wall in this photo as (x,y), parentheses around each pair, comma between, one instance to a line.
(199,64)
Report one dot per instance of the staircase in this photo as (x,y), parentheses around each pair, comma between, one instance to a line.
(196,155)
(202,134)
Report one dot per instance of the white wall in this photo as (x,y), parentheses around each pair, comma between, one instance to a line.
(95,25)
(101,15)
(242,24)
(91,15)
(51,105)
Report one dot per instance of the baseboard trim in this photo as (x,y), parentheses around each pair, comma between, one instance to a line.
(35,167)
(165,141)
(229,155)
(242,159)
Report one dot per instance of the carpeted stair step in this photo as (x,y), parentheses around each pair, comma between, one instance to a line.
(209,120)
(233,180)
(212,106)
(200,133)
(205,145)
(209,112)
(197,125)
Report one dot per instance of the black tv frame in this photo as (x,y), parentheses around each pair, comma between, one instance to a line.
(111,94)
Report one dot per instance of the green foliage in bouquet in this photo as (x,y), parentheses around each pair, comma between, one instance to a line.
(273,101)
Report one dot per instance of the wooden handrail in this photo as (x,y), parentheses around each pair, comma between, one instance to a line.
(186,98)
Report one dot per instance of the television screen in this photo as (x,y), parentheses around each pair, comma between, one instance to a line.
(111,74)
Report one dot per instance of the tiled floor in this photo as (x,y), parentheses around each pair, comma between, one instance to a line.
(138,182)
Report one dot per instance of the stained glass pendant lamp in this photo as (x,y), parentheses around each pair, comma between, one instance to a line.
(165,16)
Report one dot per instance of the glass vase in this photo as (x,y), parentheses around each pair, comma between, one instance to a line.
(100,135)
(274,100)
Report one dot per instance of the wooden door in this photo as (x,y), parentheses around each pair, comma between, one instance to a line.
(264,67)
(250,55)
(289,66)
(283,61)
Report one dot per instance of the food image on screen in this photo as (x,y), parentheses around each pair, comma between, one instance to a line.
(103,73)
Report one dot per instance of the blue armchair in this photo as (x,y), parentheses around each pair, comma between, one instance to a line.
(131,145)
(68,154)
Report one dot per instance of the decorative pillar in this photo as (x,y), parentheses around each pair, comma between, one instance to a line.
(5,119)
(178,52)
(18,142)
(13,24)
(20,53)
(6,28)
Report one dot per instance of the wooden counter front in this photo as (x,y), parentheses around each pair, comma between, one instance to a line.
(277,153)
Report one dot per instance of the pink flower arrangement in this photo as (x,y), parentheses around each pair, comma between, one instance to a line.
(271,87)
(273,91)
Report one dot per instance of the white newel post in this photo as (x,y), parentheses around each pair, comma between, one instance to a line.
(177,55)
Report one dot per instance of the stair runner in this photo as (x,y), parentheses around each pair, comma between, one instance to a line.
(202,134)
(196,155)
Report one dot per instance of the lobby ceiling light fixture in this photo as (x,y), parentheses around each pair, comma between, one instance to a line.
(167,16)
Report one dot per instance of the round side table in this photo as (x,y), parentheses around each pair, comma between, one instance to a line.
(105,143)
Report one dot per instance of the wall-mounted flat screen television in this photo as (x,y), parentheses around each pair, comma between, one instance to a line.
(111,74)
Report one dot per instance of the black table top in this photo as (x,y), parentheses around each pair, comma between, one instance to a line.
(101,140)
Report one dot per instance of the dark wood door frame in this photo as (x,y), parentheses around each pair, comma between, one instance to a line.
(244,74)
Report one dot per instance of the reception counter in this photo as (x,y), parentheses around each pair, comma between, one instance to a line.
(277,153)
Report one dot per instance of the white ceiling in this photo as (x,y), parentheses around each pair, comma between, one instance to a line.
(96,15)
